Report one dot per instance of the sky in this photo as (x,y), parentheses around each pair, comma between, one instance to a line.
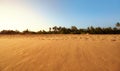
(37,15)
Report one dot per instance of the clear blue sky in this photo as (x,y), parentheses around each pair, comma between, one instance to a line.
(80,13)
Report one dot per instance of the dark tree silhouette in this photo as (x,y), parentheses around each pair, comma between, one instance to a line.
(72,30)
(50,29)
(55,28)
(28,32)
(9,32)
(118,25)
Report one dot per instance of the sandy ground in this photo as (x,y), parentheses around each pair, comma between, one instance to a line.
(60,53)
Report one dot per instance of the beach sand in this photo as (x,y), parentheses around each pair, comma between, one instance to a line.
(59,52)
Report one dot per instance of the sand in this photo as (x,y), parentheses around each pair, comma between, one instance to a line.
(60,53)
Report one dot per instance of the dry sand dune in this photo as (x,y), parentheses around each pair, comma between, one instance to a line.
(60,53)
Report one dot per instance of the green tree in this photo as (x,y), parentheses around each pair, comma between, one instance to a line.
(118,24)
(26,31)
(55,29)
(74,30)
(50,29)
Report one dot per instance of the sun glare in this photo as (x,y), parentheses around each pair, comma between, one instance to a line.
(19,17)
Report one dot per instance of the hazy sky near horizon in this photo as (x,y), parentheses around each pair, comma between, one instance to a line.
(42,14)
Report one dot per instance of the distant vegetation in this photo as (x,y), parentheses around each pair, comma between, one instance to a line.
(72,30)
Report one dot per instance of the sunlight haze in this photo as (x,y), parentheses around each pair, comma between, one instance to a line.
(18,16)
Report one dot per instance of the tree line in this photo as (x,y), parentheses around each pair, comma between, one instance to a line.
(72,30)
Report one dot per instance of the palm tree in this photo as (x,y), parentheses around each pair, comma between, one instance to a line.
(50,29)
(55,28)
(118,24)
(74,28)
(26,31)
